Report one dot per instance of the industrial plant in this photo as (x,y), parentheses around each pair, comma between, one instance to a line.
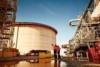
(86,42)
(33,41)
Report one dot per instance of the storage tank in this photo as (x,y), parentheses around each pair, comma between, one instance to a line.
(33,36)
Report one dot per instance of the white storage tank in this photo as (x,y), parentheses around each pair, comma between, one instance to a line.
(33,36)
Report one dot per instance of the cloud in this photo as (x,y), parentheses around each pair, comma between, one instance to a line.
(46,9)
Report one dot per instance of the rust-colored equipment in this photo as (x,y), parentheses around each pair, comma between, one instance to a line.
(7,20)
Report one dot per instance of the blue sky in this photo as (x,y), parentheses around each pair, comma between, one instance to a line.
(55,13)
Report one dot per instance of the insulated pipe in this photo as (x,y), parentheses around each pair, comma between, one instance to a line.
(73,20)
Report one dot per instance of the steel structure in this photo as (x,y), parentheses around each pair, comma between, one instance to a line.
(88,31)
(7,20)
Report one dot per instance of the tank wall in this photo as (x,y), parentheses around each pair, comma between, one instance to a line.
(34,37)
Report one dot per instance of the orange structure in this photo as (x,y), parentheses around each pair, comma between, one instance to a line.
(7,20)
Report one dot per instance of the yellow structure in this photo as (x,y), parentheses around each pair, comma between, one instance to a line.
(41,54)
(45,55)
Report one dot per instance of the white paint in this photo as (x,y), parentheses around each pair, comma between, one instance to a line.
(34,37)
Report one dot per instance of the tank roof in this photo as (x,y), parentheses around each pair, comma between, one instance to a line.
(36,24)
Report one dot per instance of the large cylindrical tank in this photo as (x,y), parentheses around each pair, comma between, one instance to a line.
(33,36)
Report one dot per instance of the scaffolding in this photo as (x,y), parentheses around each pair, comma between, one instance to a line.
(7,20)
(88,31)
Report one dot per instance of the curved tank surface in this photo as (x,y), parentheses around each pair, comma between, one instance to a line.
(33,36)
